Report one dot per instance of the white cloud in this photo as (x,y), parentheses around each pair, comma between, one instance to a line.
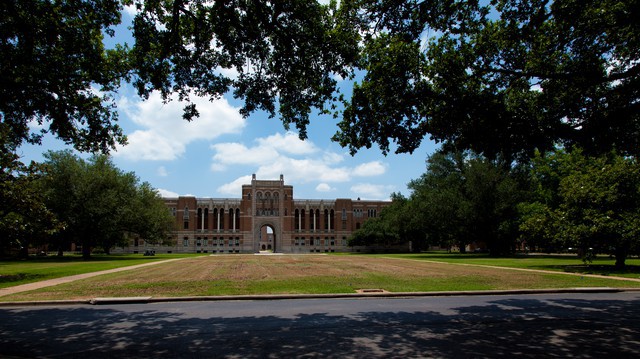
(332,158)
(234,188)
(130,10)
(374,168)
(162,171)
(289,143)
(165,134)
(372,191)
(166,193)
(323,187)
(300,162)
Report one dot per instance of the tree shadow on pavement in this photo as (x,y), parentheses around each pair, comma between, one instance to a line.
(504,328)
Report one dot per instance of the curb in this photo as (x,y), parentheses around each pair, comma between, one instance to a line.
(148,300)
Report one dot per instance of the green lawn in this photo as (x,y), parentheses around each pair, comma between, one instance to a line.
(314,274)
(203,275)
(16,272)
(602,264)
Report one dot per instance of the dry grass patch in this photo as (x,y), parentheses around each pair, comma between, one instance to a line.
(249,274)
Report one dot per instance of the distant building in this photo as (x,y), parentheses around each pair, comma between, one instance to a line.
(267,217)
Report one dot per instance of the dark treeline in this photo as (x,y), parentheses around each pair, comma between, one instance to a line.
(67,199)
(560,200)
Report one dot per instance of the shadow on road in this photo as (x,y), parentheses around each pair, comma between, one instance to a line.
(497,329)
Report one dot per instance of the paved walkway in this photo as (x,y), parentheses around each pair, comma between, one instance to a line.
(51,282)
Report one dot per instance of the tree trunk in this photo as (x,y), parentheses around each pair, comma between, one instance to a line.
(621,256)
(86,251)
(462,248)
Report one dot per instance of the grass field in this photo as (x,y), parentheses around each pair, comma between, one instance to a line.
(602,265)
(16,272)
(291,274)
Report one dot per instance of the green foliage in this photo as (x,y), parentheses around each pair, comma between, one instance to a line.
(54,70)
(280,57)
(501,78)
(283,53)
(461,199)
(584,202)
(464,198)
(99,204)
(24,218)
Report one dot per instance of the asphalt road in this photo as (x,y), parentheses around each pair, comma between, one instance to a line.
(604,325)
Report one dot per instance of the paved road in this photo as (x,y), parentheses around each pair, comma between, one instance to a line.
(550,325)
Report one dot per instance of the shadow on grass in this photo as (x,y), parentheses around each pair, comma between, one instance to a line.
(93,258)
(601,269)
(562,266)
(18,277)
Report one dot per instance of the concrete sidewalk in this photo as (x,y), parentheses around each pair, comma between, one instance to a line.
(51,282)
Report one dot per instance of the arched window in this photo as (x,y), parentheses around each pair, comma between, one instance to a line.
(221,213)
(326,219)
(199,219)
(332,216)
(206,218)
(237,218)
(185,217)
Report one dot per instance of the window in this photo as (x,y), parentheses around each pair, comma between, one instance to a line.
(206,218)
(344,214)
(185,241)
(199,219)
(186,224)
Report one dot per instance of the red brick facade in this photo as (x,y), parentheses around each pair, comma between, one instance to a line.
(239,225)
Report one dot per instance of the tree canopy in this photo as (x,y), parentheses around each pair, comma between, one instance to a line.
(462,199)
(99,204)
(56,72)
(281,57)
(501,77)
(24,218)
(588,203)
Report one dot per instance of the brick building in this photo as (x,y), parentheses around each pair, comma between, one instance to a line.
(267,217)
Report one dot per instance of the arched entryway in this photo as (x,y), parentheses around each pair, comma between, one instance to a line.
(266,236)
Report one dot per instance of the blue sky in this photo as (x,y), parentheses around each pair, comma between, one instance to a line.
(216,154)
